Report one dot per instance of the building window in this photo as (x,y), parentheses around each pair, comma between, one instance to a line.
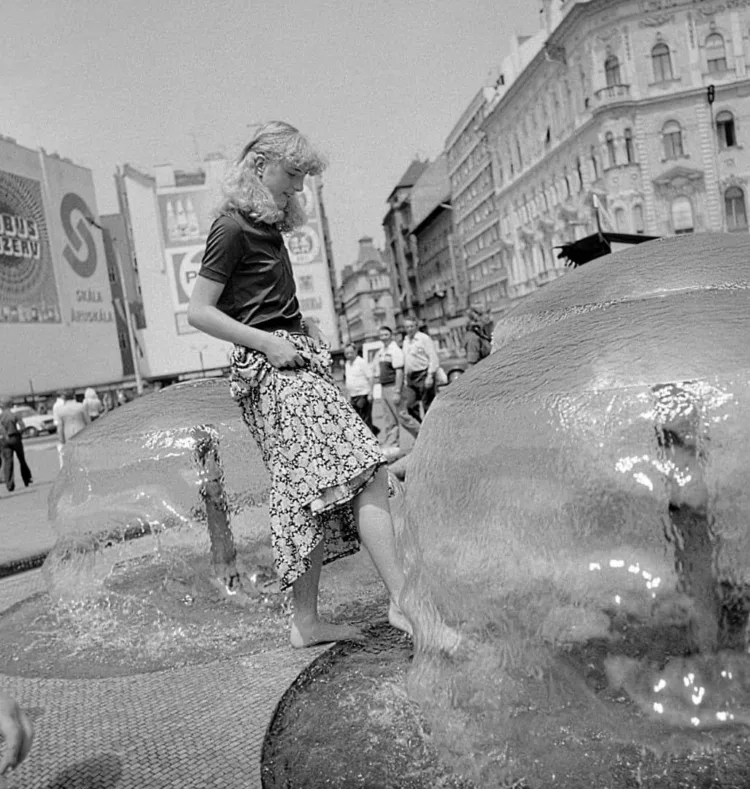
(611,152)
(594,163)
(716,54)
(734,205)
(725,130)
(640,228)
(629,151)
(620,221)
(662,63)
(682,216)
(672,135)
(612,71)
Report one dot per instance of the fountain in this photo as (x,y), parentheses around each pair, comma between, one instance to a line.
(146,571)
(576,507)
(588,531)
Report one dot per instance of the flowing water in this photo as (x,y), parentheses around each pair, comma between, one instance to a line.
(588,534)
(130,582)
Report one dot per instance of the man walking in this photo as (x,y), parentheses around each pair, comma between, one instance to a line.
(358,382)
(478,342)
(71,417)
(390,363)
(420,365)
(11,427)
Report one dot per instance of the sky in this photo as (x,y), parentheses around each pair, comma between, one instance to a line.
(375,83)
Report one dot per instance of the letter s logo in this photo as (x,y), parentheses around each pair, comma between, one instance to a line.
(82,255)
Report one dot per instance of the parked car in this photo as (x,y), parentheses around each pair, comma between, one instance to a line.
(34,424)
(453,366)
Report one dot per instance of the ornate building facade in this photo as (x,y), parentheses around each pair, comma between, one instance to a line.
(640,106)
(400,245)
(366,295)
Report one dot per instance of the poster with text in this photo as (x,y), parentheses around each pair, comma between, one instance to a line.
(28,292)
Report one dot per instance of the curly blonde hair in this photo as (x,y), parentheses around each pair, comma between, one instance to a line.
(244,191)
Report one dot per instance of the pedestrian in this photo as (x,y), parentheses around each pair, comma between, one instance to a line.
(122,398)
(12,446)
(107,404)
(72,417)
(477,342)
(330,480)
(420,366)
(390,363)
(17,731)
(358,381)
(92,403)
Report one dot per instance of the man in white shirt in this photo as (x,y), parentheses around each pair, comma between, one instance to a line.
(420,365)
(358,383)
(71,418)
(390,365)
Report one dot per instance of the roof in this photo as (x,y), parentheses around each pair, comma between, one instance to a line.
(409,178)
(595,246)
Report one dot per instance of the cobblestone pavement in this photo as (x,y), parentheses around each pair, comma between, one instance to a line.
(185,728)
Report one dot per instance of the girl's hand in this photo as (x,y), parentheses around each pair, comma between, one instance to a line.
(282,354)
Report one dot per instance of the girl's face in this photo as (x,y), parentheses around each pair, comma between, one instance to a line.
(282,180)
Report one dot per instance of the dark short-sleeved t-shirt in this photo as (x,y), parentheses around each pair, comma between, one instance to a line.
(251,260)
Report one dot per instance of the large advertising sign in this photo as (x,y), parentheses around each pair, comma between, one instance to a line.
(186,216)
(28,292)
(309,260)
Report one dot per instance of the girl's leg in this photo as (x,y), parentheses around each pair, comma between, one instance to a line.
(307,628)
(375,528)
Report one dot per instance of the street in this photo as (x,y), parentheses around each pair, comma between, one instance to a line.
(24,527)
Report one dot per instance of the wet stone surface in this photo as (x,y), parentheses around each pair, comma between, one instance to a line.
(348,722)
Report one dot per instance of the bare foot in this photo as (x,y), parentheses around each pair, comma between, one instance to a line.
(308,635)
(445,638)
(398,620)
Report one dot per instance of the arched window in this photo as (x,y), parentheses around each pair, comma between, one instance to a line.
(611,151)
(716,54)
(725,129)
(629,151)
(672,136)
(612,71)
(662,63)
(640,228)
(734,205)
(579,170)
(620,220)
(682,216)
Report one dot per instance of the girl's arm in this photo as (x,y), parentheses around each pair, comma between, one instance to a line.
(204,315)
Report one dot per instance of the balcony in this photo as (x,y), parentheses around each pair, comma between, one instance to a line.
(612,94)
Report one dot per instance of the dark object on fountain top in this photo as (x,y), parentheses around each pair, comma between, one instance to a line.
(595,246)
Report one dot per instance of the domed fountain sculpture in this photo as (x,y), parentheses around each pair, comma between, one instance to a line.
(154,467)
(577,506)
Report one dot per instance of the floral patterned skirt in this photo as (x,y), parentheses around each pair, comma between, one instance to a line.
(318,452)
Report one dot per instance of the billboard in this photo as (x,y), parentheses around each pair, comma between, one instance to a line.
(28,292)
(186,216)
(56,312)
(307,253)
